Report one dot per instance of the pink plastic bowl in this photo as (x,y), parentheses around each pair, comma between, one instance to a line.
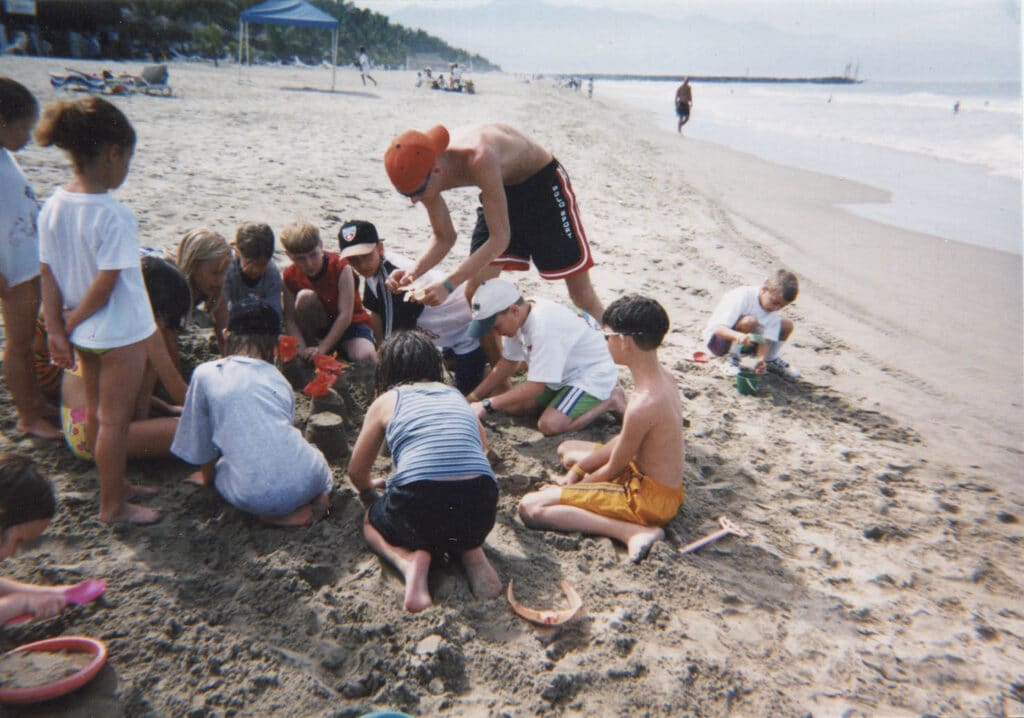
(54,689)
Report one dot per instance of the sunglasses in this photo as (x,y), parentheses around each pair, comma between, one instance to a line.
(608,335)
(419,190)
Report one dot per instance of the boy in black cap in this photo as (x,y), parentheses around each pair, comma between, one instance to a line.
(237,424)
(445,323)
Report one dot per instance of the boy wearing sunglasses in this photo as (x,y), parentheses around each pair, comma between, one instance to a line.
(631,486)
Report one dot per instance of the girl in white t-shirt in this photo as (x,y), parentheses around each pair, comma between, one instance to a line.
(19,259)
(94,299)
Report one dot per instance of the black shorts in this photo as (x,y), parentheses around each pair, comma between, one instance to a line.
(545,222)
(437,516)
(683,109)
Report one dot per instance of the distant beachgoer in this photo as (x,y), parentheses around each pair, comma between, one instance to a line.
(26,506)
(19,260)
(590,88)
(748,320)
(571,378)
(456,77)
(528,209)
(443,496)
(94,298)
(684,101)
(364,67)
(238,426)
(632,485)
(956,107)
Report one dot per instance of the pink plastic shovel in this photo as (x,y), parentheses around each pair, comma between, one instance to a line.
(728,527)
(76,595)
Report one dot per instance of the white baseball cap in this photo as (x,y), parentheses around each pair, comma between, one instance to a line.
(492,298)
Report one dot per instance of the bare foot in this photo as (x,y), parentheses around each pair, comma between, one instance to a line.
(640,543)
(483,579)
(304,516)
(320,506)
(417,596)
(132,514)
(137,491)
(40,428)
(196,478)
(617,401)
(299,518)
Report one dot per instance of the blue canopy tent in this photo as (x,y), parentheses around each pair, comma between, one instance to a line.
(287,12)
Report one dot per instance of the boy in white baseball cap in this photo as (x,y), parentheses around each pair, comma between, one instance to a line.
(571,378)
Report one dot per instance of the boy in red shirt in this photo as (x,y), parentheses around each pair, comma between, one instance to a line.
(322,307)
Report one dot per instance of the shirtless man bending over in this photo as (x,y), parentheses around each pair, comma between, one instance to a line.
(528,209)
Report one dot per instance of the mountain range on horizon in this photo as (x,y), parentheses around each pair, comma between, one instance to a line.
(535,36)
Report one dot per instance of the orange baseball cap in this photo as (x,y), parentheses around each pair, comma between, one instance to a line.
(411,156)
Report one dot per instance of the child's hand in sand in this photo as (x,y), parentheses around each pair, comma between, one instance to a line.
(761,367)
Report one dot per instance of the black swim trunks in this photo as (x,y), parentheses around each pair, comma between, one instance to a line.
(437,516)
(546,227)
(683,109)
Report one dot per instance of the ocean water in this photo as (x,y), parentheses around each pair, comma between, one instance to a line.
(956,175)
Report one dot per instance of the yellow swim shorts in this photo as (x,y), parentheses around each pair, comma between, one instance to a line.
(631,496)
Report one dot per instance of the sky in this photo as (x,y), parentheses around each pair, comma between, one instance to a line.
(938,40)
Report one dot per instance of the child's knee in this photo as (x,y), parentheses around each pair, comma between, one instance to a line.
(552,423)
(746,324)
(528,508)
(786,329)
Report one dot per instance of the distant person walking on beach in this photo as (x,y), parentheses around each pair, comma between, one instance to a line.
(364,66)
(528,209)
(684,100)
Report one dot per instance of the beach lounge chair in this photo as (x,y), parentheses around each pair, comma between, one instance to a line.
(106,82)
(76,81)
(153,81)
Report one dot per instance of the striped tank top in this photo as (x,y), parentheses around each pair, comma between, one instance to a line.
(433,435)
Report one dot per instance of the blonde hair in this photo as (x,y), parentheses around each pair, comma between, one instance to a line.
(198,246)
(300,237)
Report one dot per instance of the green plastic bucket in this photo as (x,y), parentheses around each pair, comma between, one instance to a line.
(747,382)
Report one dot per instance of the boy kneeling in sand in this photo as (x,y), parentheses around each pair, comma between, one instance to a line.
(571,378)
(238,425)
(630,487)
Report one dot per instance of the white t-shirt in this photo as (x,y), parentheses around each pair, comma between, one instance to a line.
(80,234)
(19,240)
(740,302)
(564,347)
(364,61)
(242,409)
(446,323)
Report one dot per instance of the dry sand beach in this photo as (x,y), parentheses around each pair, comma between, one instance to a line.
(882,491)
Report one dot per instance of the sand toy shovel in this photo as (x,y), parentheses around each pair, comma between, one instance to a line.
(76,595)
(728,527)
